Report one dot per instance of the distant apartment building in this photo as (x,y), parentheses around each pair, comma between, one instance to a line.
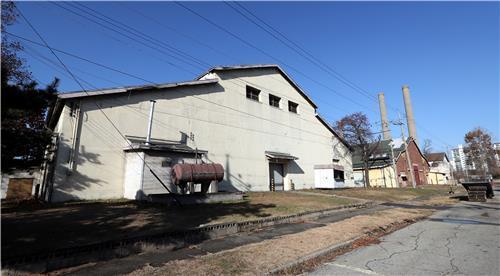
(496,146)
(459,161)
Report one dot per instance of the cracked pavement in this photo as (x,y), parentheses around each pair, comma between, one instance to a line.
(462,240)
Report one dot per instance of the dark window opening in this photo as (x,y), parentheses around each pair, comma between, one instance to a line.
(292,107)
(338,175)
(253,93)
(274,101)
(166,163)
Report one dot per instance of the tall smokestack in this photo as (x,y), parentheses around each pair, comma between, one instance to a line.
(383,117)
(412,130)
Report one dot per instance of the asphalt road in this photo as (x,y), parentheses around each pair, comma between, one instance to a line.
(462,240)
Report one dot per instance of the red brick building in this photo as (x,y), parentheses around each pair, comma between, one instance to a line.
(420,166)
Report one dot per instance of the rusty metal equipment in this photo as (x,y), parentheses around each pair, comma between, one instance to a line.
(478,191)
(204,174)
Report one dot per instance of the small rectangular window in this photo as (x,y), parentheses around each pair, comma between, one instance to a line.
(292,107)
(253,93)
(274,101)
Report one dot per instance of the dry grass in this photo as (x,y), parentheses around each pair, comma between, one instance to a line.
(259,258)
(393,194)
(89,222)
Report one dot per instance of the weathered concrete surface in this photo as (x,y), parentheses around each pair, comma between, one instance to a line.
(463,240)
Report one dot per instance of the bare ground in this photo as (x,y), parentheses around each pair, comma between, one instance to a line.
(29,229)
(259,258)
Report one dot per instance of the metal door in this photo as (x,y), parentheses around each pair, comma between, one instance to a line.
(276,176)
(417,175)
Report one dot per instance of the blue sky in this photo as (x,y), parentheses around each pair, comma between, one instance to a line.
(448,53)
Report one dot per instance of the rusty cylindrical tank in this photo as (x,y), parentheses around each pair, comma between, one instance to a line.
(197,173)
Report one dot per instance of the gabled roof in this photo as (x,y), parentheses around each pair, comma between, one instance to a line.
(436,156)
(381,157)
(288,78)
(261,66)
(52,118)
(62,97)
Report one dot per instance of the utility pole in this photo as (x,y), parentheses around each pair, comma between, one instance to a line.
(391,144)
(410,167)
(451,167)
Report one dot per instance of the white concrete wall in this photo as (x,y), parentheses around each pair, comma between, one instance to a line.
(443,168)
(214,115)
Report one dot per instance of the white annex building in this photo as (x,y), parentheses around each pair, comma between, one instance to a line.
(254,120)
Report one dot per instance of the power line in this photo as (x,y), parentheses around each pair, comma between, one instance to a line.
(146,36)
(162,24)
(135,34)
(81,58)
(56,66)
(294,46)
(202,99)
(311,58)
(156,48)
(102,111)
(266,54)
(149,39)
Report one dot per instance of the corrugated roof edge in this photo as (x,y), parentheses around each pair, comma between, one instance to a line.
(52,118)
(258,66)
(115,90)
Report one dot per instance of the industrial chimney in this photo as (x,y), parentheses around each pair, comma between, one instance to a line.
(383,117)
(412,130)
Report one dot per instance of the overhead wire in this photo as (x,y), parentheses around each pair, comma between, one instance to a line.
(202,99)
(160,122)
(144,36)
(135,32)
(139,31)
(97,105)
(122,33)
(249,44)
(309,56)
(228,107)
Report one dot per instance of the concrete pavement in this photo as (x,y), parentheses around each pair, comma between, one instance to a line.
(462,240)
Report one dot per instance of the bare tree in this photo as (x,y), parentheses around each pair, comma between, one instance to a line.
(479,150)
(427,146)
(356,130)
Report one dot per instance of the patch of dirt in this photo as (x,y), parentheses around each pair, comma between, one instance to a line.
(259,258)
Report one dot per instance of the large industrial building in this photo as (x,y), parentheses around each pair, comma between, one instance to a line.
(254,120)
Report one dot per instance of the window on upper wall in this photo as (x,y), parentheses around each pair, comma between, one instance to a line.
(274,101)
(292,107)
(253,93)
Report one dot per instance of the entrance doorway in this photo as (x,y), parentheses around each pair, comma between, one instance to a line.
(276,177)
(417,175)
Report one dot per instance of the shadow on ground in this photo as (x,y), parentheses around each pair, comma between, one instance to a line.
(28,231)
